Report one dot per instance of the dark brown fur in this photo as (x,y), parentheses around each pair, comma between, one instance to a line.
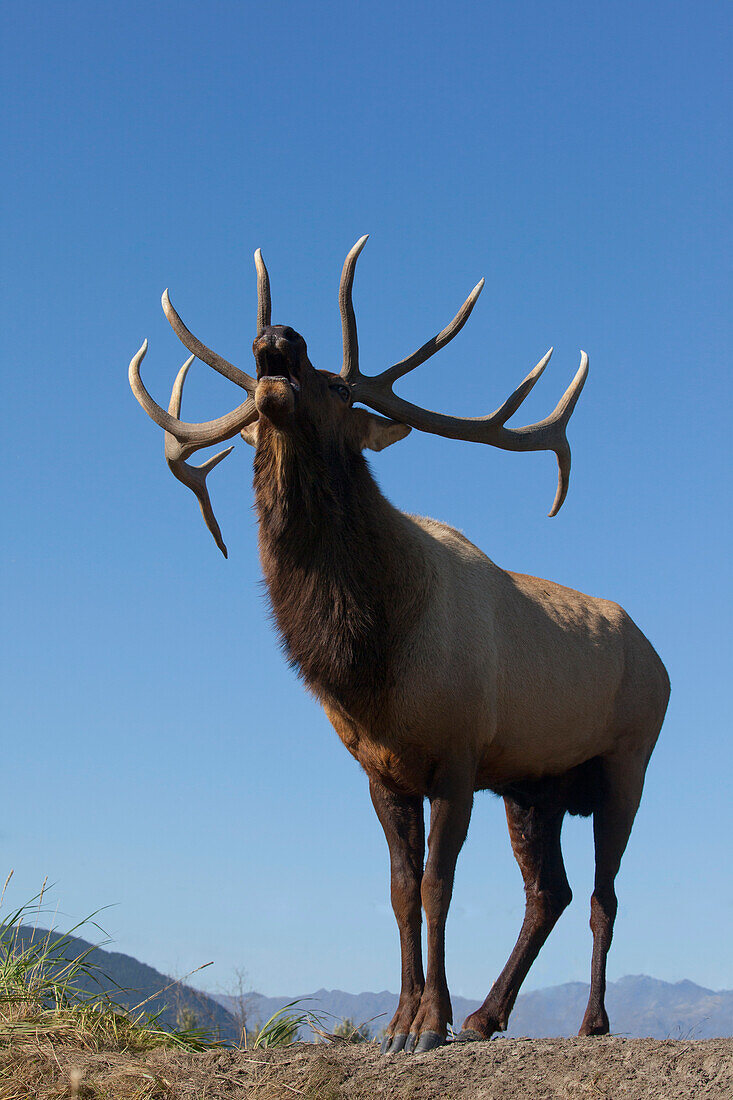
(334,574)
(575,792)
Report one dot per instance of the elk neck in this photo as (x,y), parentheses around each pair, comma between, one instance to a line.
(346,579)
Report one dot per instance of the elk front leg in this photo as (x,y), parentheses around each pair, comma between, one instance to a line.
(401,817)
(450,813)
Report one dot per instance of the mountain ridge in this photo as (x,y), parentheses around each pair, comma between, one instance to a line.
(639,1006)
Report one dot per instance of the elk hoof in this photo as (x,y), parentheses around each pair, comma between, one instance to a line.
(429,1040)
(593,1029)
(468,1035)
(410,1043)
(393,1044)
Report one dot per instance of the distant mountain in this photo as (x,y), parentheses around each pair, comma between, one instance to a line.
(129,983)
(637,1005)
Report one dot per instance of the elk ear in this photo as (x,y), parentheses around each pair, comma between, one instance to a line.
(249,433)
(376,432)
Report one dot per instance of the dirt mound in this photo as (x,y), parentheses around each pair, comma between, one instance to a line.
(505,1069)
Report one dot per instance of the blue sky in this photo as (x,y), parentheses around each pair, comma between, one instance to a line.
(159,756)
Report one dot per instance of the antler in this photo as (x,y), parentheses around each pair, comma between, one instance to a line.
(183,439)
(194,477)
(376,391)
(264,307)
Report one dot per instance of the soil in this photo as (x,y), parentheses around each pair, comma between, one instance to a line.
(504,1069)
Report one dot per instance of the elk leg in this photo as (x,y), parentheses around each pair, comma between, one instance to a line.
(612,820)
(535,837)
(402,819)
(450,813)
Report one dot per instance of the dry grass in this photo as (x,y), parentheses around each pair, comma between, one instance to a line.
(46,1012)
(58,1041)
(45,1070)
(507,1069)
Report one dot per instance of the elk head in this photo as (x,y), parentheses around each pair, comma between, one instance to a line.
(293,397)
(297,399)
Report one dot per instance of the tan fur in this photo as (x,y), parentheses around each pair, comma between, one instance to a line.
(521,676)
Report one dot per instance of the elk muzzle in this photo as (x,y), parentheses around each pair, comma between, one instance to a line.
(279,354)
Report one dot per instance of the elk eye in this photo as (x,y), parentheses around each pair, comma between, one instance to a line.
(341,390)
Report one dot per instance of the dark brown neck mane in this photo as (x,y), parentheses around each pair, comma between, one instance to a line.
(335,557)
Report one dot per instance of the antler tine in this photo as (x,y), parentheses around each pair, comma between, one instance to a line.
(193,477)
(437,342)
(174,405)
(206,355)
(350,368)
(514,400)
(190,436)
(560,418)
(264,305)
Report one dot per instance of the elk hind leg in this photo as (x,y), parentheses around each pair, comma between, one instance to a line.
(619,796)
(535,835)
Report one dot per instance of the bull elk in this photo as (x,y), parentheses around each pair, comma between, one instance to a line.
(441,673)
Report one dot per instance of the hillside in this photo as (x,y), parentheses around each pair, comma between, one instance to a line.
(130,982)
